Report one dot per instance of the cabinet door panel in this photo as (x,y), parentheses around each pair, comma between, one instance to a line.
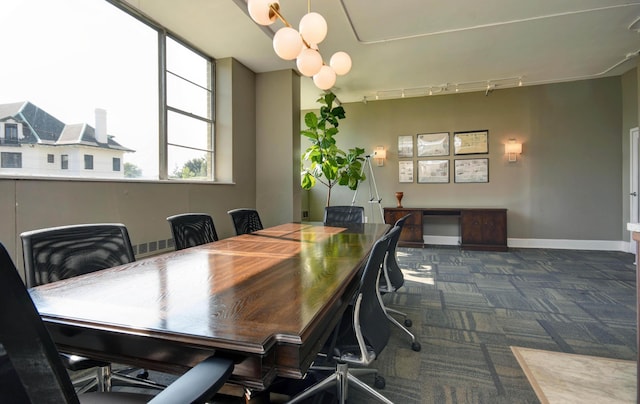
(494,228)
(471,225)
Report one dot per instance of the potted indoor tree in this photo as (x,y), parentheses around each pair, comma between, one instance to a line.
(330,165)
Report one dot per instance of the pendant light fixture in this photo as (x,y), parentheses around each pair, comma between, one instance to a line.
(302,44)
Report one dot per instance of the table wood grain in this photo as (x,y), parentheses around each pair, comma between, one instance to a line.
(268,299)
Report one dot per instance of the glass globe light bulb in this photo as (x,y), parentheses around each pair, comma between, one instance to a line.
(309,62)
(341,63)
(259,11)
(313,28)
(325,78)
(287,43)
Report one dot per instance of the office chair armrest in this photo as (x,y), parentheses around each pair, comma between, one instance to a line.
(199,384)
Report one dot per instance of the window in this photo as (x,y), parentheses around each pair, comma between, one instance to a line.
(64,162)
(88,162)
(189,113)
(50,158)
(10,160)
(116,164)
(11,133)
(124,83)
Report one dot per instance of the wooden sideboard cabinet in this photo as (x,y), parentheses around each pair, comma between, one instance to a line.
(480,228)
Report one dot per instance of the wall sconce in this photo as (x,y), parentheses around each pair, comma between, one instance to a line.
(513,148)
(380,154)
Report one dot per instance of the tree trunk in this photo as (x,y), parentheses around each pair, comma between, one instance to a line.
(329,196)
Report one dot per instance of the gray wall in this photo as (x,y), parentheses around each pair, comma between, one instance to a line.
(567,183)
(277,149)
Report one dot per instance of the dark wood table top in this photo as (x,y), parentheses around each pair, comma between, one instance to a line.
(269,299)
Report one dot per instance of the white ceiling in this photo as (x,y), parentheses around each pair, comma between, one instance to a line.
(420,46)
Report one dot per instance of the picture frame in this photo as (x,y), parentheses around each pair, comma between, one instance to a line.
(433,171)
(471,170)
(472,142)
(405,171)
(433,144)
(405,146)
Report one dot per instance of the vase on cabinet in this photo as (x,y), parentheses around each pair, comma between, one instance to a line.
(399,196)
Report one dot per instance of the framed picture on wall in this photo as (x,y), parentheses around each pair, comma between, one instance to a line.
(433,171)
(405,146)
(471,170)
(476,142)
(433,144)
(405,171)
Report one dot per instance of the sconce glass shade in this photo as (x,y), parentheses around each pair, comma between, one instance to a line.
(313,28)
(340,62)
(309,62)
(511,148)
(287,43)
(260,11)
(325,78)
(380,154)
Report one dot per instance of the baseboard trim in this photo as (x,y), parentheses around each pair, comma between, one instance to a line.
(560,244)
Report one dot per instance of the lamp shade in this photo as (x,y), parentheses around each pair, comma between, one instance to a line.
(313,28)
(513,148)
(287,43)
(325,78)
(309,62)
(340,62)
(260,11)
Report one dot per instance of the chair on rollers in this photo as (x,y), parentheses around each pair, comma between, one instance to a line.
(38,375)
(57,253)
(360,337)
(192,229)
(245,221)
(392,279)
(343,214)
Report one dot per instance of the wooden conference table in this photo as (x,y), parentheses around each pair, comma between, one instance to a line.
(268,299)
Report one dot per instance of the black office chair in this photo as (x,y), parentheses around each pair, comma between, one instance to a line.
(42,375)
(245,220)
(343,214)
(57,253)
(360,337)
(392,279)
(192,229)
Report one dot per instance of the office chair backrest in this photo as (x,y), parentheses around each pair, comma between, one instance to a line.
(192,229)
(62,252)
(343,214)
(393,277)
(29,346)
(374,324)
(245,220)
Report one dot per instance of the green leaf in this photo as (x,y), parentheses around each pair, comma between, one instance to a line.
(308,181)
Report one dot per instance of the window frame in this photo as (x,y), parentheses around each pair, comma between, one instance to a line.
(164,108)
(7,158)
(88,161)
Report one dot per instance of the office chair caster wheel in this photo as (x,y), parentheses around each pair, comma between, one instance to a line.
(416,346)
(379,382)
(408,322)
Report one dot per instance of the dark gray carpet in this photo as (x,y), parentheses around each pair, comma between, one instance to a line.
(469,307)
